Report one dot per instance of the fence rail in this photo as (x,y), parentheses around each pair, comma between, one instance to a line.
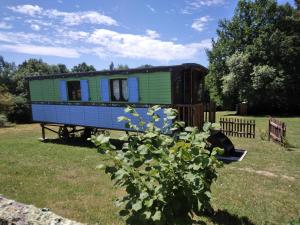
(277,130)
(209,112)
(238,127)
(196,114)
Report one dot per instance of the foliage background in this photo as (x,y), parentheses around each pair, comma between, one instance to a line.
(255,58)
(14,96)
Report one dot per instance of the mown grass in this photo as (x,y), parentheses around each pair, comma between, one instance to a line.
(262,189)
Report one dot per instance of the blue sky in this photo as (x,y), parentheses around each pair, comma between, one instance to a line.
(131,32)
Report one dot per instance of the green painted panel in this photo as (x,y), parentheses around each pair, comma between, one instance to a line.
(94,88)
(153,87)
(160,88)
(56,94)
(47,90)
(35,90)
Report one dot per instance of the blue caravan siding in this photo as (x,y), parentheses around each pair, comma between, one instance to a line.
(85,95)
(62,112)
(133,89)
(76,114)
(63,90)
(104,88)
(93,116)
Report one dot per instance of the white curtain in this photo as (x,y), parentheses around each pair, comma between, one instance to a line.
(125,89)
(116,90)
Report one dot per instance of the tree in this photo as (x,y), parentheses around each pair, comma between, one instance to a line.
(7,70)
(145,66)
(31,67)
(62,68)
(111,66)
(83,67)
(5,99)
(256,58)
(122,67)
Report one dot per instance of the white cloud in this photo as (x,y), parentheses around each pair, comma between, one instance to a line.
(4,25)
(200,3)
(41,50)
(68,18)
(150,8)
(30,10)
(152,33)
(74,35)
(139,46)
(35,27)
(39,22)
(21,38)
(200,23)
(192,5)
(75,18)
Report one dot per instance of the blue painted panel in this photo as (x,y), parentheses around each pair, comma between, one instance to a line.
(94,116)
(38,112)
(91,116)
(50,113)
(63,90)
(115,113)
(63,114)
(105,116)
(133,89)
(76,114)
(104,89)
(84,86)
(142,112)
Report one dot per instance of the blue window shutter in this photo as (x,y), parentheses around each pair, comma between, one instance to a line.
(63,90)
(133,89)
(84,86)
(104,90)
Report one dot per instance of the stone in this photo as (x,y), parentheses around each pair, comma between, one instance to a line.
(15,213)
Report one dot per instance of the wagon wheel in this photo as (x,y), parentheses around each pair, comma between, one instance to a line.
(63,133)
(88,132)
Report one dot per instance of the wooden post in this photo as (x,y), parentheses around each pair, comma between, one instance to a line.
(269,127)
(43,131)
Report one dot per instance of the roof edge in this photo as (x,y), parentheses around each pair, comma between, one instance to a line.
(112,72)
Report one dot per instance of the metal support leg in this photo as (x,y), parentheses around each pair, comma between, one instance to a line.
(43,131)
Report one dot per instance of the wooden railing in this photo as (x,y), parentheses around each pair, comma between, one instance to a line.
(277,130)
(238,127)
(196,114)
(209,112)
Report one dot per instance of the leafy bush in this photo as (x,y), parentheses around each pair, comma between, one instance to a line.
(295,221)
(19,111)
(3,120)
(167,178)
(263,134)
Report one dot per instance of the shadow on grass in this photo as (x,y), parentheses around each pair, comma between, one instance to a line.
(80,142)
(223,217)
(76,142)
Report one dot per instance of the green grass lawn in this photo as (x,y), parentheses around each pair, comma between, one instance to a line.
(262,189)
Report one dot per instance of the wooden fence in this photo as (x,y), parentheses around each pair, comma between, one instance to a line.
(238,127)
(277,130)
(209,112)
(196,114)
(192,115)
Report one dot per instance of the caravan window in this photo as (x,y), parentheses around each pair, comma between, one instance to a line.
(74,91)
(119,90)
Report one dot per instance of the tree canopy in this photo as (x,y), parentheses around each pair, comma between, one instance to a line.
(256,58)
(83,67)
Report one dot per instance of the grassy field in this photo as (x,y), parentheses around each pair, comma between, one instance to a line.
(262,189)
